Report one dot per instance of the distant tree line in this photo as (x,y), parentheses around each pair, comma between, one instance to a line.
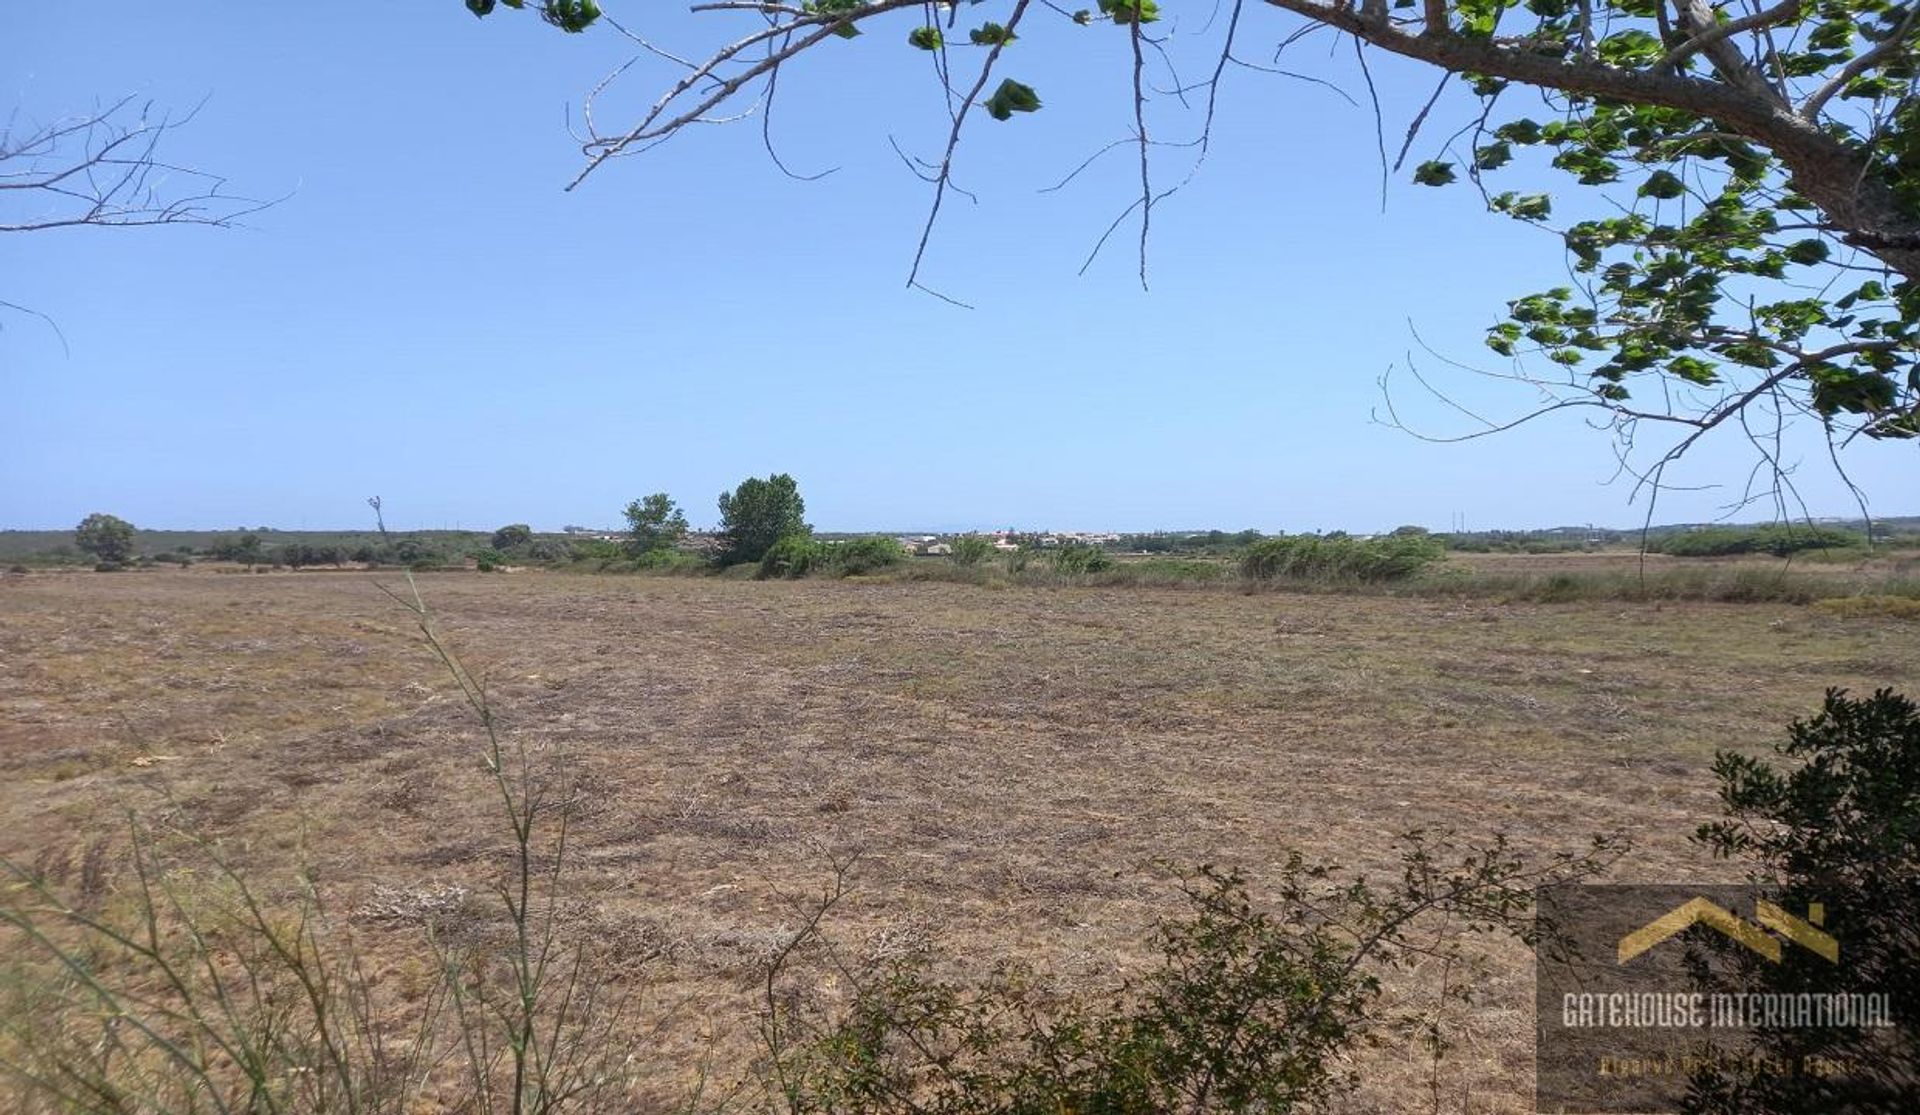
(1777,540)
(762,525)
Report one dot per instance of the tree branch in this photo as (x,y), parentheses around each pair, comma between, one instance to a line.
(1718,32)
(1810,109)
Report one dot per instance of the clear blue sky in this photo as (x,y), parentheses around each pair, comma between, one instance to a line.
(429,318)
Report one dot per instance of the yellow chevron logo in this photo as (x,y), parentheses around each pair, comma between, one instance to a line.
(1699,911)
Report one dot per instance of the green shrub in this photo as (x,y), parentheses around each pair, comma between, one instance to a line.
(858,556)
(1164,571)
(245,549)
(512,536)
(298,554)
(799,555)
(413,552)
(971,549)
(669,561)
(596,549)
(488,560)
(1307,557)
(1253,1006)
(1077,558)
(793,556)
(548,550)
(1838,819)
(1778,540)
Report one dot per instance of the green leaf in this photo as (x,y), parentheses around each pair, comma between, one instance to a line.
(1526,133)
(1836,389)
(1693,370)
(1632,47)
(1012,97)
(1663,184)
(1524,207)
(925,38)
(1434,173)
(1832,35)
(1808,252)
(991,34)
(1493,156)
(1130,11)
(571,16)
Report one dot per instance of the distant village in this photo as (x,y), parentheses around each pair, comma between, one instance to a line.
(922,545)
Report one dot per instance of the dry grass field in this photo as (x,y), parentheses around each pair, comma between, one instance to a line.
(1010,762)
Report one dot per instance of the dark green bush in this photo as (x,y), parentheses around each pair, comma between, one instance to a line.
(299,554)
(414,553)
(1165,571)
(971,549)
(1837,822)
(858,556)
(800,555)
(1076,558)
(549,550)
(246,548)
(1307,557)
(793,556)
(1252,1007)
(512,536)
(596,549)
(1778,540)
(670,561)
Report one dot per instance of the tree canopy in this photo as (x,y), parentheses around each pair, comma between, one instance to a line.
(758,514)
(512,536)
(108,538)
(1746,246)
(654,524)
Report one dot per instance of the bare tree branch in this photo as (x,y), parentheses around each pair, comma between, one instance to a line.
(103,169)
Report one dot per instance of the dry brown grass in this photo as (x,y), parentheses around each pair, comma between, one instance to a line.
(1010,761)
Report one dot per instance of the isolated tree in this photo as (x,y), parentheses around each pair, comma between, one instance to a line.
(1749,241)
(758,514)
(107,537)
(512,536)
(654,524)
